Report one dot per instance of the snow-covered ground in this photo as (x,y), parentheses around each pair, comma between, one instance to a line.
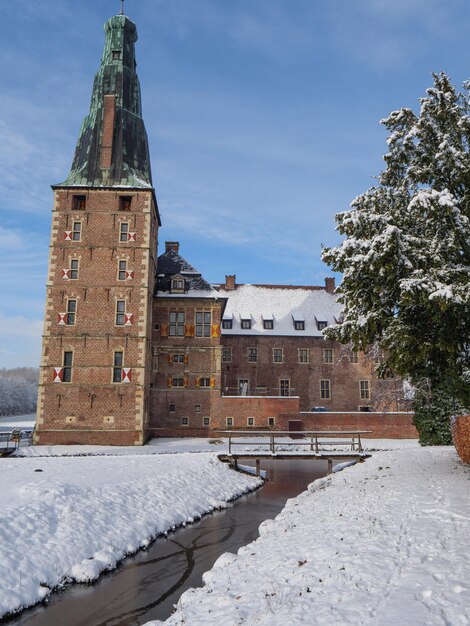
(382,543)
(69,518)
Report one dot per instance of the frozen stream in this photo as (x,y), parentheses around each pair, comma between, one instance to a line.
(147,585)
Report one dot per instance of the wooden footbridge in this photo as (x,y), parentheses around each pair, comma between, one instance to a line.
(327,445)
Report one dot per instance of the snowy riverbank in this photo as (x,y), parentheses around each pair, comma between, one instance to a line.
(381,543)
(68,519)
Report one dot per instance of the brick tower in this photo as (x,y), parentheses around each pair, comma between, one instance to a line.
(96,358)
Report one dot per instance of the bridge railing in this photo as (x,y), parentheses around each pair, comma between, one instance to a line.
(314,439)
(10,440)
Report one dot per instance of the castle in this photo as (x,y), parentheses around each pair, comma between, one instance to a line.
(136,345)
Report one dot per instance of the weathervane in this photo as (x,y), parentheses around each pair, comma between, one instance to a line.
(122,8)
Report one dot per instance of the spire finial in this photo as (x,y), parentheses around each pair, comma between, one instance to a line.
(122,8)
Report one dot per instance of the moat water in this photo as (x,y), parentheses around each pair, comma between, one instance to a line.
(147,585)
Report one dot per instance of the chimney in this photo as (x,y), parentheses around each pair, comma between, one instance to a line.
(172,245)
(230,282)
(330,284)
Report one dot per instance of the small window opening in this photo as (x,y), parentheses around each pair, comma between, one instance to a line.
(125,203)
(78,203)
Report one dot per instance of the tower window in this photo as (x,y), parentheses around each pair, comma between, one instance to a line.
(125,203)
(122,270)
(116,54)
(172,408)
(120,312)
(77,231)
(73,272)
(78,203)
(67,368)
(206,421)
(124,231)
(71,312)
(117,367)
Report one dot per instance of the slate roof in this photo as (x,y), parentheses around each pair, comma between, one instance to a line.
(284,305)
(171,263)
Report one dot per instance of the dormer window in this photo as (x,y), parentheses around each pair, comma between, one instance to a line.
(116,55)
(321,325)
(245,321)
(177,284)
(268,321)
(227,321)
(299,321)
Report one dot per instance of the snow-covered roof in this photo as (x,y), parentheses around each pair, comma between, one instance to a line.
(284,305)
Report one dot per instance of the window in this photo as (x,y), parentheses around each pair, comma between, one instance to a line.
(353,357)
(299,325)
(78,203)
(125,203)
(245,324)
(178,358)
(243,386)
(77,231)
(120,312)
(268,324)
(67,367)
(328,356)
(117,367)
(177,382)
(124,231)
(252,355)
(325,390)
(206,421)
(73,273)
(226,355)
(364,389)
(177,284)
(176,327)
(185,421)
(284,387)
(271,421)
(250,421)
(71,312)
(122,270)
(321,325)
(204,382)
(303,355)
(172,408)
(229,421)
(203,323)
(227,324)
(278,355)
(197,408)
(116,55)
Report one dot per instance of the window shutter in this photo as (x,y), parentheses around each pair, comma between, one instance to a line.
(215,330)
(61,318)
(126,375)
(189,330)
(169,359)
(198,382)
(66,273)
(186,381)
(129,275)
(68,235)
(58,374)
(131,236)
(128,319)
(163,330)
(186,359)
(212,381)
(168,381)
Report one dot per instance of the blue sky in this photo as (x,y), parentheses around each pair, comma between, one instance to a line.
(262,119)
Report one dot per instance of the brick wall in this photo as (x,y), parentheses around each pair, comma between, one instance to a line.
(382,425)
(91,402)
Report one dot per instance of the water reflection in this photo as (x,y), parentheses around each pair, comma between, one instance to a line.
(147,585)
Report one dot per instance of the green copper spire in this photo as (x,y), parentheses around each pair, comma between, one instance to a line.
(112,148)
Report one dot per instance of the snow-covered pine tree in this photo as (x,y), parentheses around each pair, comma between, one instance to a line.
(406,256)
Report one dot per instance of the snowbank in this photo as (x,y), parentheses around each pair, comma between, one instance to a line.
(384,542)
(68,519)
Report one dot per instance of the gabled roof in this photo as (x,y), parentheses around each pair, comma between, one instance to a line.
(283,304)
